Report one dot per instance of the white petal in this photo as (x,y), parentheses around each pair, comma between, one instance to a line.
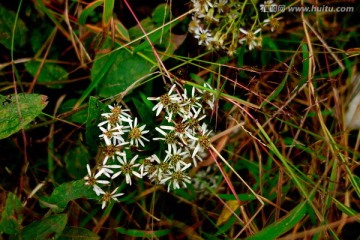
(115,175)
(137,174)
(243,31)
(171,89)
(88,169)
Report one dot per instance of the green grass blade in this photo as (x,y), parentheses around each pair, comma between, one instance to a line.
(108,12)
(345,209)
(96,79)
(142,233)
(283,225)
(224,95)
(90,8)
(277,91)
(291,172)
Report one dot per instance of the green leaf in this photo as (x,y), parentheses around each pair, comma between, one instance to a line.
(96,108)
(40,35)
(136,32)
(30,106)
(122,30)
(108,11)
(155,37)
(11,216)
(78,116)
(76,233)
(161,14)
(49,73)
(75,159)
(88,11)
(345,209)
(306,59)
(162,38)
(7,20)
(48,228)
(142,233)
(146,114)
(241,197)
(67,192)
(283,225)
(125,69)
(267,56)
(99,71)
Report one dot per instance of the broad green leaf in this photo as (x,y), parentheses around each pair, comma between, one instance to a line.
(116,71)
(39,36)
(75,159)
(67,192)
(240,60)
(11,215)
(7,20)
(96,108)
(161,14)
(48,228)
(49,73)
(30,106)
(102,65)
(88,11)
(77,233)
(268,56)
(282,225)
(142,233)
(78,116)
(162,38)
(146,114)
(155,37)
(122,30)
(149,104)
(108,11)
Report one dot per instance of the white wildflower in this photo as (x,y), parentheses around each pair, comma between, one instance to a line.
(201,142)
(177,178)
(176,157)
(126,168)
(112,135)
(250,38)
(136,133)
(165,100)
(169,138)
(204,36)
(92,180)
(148,165)
(202,5)
(221,5)
(108,196)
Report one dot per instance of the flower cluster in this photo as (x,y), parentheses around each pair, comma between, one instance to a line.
(224,24)
(119,132)
(182,141)
(182,134)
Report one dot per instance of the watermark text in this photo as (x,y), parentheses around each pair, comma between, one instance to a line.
(271,7)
